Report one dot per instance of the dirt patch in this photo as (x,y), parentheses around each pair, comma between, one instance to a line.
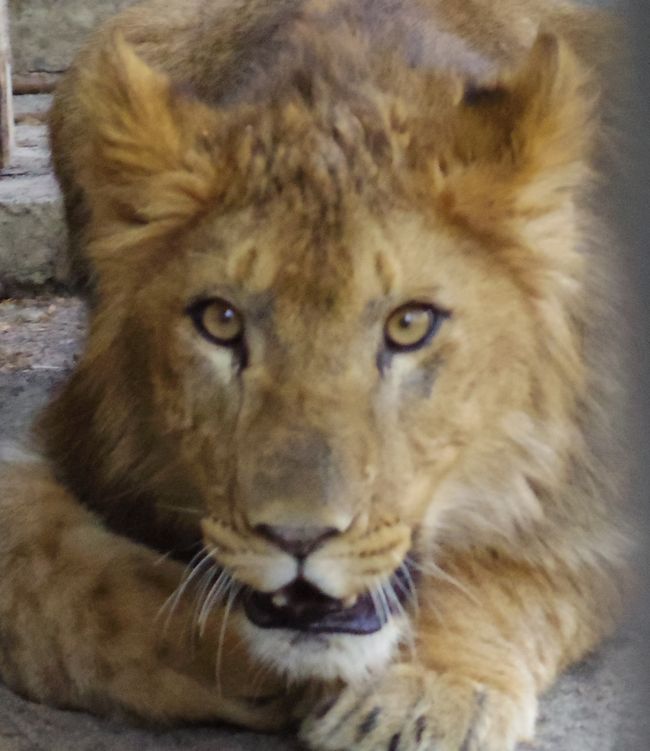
(40,333)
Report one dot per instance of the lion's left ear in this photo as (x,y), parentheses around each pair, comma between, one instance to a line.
(524,141)
(543,111)
(149,153)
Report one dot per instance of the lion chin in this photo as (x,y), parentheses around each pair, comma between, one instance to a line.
(303,634)
(304,656)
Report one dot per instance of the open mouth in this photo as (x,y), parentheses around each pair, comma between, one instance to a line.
(302,607)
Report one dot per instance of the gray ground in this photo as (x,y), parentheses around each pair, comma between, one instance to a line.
(591,708)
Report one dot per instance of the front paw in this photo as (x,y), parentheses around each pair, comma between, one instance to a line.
(414,709)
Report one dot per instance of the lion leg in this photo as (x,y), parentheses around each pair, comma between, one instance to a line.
(83,621)
(489,639)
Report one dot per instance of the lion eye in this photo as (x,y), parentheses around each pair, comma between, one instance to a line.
(218,321)
(411,326)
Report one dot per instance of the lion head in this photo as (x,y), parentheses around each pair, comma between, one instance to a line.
(338,326)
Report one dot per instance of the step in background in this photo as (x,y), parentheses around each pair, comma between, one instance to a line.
(32,231)
(45,36)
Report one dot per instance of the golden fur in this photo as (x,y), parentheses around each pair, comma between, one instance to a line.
(318,164)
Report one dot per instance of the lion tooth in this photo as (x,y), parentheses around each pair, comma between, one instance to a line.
(280,600)
(350,602)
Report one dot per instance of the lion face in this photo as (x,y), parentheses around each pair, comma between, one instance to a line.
(341,359)
(317,429)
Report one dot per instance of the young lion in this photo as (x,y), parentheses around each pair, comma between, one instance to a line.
(344,319)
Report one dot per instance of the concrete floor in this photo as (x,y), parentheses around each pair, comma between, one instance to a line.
(592,708)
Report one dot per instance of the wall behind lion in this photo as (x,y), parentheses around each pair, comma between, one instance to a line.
(47,33)
(632,204)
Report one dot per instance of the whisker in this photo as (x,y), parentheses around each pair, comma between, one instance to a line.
(435,571)
(165,557)
(384,602)
(390,593)
(375,605)
(219,588)
(182,510)
(235,589)
(207,581)
(258,678)
(191,571)
(409,579)
(408,587)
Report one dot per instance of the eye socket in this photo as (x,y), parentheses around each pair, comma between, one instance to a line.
(411,326)
(218,321)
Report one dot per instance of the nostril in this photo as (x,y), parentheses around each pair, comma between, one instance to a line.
(297,541)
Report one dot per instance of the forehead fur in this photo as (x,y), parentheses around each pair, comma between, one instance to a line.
(501,159)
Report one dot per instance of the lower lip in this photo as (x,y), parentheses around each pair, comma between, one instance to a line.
(362,618)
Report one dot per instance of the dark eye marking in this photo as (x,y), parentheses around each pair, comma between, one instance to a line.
(420,382)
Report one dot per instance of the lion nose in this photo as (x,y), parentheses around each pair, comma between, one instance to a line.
(297,541)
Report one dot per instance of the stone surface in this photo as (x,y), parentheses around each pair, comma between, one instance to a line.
(32,231)
(31,155)
(39,335)
(46,34)
(592,707)
(31,108)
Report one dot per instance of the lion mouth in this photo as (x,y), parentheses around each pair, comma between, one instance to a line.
(302,607)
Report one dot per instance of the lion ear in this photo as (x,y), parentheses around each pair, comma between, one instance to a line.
(148,153)
(537,117)
(523,141)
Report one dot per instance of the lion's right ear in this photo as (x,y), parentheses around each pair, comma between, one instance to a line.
(148,154)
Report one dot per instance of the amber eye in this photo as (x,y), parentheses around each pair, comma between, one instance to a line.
(411,326)
(218,321)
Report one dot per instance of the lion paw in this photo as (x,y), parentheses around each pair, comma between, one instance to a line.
(413,709)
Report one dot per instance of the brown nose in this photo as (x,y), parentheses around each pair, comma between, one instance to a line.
(297,541)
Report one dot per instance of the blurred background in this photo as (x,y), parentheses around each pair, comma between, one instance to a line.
(632,205)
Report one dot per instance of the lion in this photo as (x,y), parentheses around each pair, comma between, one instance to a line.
(337,455)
